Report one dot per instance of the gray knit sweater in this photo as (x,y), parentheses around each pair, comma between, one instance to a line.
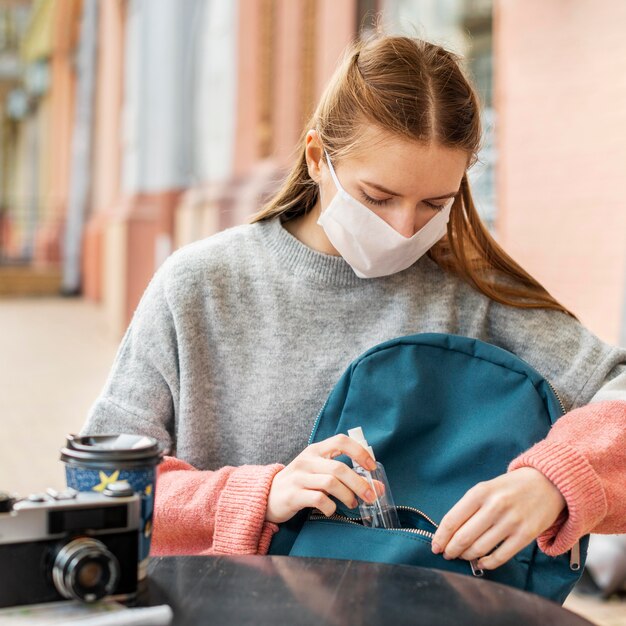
(240,337)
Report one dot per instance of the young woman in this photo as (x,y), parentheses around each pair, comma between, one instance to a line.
(240,337)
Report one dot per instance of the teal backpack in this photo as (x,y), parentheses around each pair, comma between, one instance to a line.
(442,413)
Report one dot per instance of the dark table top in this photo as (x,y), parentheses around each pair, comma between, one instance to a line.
(291,590)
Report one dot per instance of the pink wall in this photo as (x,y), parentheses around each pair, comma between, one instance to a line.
(332,27)
(560,97)
(288,78)
(336,28)
(286,51)
(248,44)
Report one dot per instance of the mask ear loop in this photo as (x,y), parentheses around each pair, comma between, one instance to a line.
(333,174)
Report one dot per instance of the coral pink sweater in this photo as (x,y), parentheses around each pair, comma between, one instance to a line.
(223,511)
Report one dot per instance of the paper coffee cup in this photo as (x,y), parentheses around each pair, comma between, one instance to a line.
(93,462)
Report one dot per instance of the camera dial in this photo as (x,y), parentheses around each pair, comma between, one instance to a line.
(84,569)
(6,502)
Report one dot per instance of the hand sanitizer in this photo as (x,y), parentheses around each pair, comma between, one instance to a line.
(382,512)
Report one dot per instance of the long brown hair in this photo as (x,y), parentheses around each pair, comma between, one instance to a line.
(418,91)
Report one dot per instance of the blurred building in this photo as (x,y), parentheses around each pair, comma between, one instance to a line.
(560,98)
(132,127)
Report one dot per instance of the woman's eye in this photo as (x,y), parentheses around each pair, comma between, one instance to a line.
(437,207)
(373,200)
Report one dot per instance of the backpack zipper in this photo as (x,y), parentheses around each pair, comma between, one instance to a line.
(338,517)
(558,397)
(574,557)
(414,510)
(476,571)
(316,422)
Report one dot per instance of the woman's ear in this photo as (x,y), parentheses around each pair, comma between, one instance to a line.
(313,153)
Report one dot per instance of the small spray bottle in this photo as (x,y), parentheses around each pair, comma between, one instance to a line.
(382,512)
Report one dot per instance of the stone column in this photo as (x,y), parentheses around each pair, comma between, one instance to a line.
(62,93)
(156,146)
(80,176)
(98,266)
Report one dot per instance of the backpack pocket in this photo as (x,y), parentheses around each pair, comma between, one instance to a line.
(343,537)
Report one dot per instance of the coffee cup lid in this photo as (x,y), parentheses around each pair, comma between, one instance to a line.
(113,447)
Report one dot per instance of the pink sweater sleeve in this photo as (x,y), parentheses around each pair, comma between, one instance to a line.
(584,455)
(212,512)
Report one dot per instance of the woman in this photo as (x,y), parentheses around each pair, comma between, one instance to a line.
(240,337)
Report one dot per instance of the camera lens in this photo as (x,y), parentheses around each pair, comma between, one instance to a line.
(90,574)
(85,569)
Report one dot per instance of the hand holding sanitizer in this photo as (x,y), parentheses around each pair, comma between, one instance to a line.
(382,512)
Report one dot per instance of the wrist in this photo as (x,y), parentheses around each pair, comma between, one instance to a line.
(554,502)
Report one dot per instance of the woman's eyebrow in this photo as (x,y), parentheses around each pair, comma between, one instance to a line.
(393,193)
(448,195)
(380,188)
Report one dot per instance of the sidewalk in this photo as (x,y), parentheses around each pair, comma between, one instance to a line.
(55,355)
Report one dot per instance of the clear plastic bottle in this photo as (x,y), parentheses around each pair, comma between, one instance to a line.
(382,512)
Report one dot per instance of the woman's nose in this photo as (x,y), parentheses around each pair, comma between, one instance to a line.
(406,221)
(409,220)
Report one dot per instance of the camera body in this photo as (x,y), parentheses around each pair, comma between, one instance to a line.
(69,545)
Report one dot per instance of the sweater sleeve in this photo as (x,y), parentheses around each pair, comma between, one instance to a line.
(583,455)
(212,512)
(141,394)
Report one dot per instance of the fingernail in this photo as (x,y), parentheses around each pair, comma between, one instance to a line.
(370,495)
(447,557)
(436,548)
(355,503)
(371,465)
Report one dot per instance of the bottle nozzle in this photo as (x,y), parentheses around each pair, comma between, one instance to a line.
(359,437)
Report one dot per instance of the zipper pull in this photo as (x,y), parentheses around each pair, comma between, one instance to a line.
(574,557)
(475,570)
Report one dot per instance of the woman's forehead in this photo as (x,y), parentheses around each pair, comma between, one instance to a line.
(407,166)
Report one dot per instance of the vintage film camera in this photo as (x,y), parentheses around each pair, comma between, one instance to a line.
(69,545)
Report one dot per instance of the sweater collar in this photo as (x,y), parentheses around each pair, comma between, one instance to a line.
(310,264)
(303,261)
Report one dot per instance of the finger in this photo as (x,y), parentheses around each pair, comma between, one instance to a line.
(468,532)
(357,484)
(487,542)
(342,444)
(455,518)
(509,548)
(331,486)
(310,498)
(379,487)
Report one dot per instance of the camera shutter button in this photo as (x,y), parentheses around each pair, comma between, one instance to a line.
(37,497)
(68,494)
(119,489)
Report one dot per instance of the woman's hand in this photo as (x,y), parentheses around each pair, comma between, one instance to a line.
(313,476)
(505,513)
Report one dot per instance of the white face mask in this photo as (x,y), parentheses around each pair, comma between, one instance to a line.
(371,246)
